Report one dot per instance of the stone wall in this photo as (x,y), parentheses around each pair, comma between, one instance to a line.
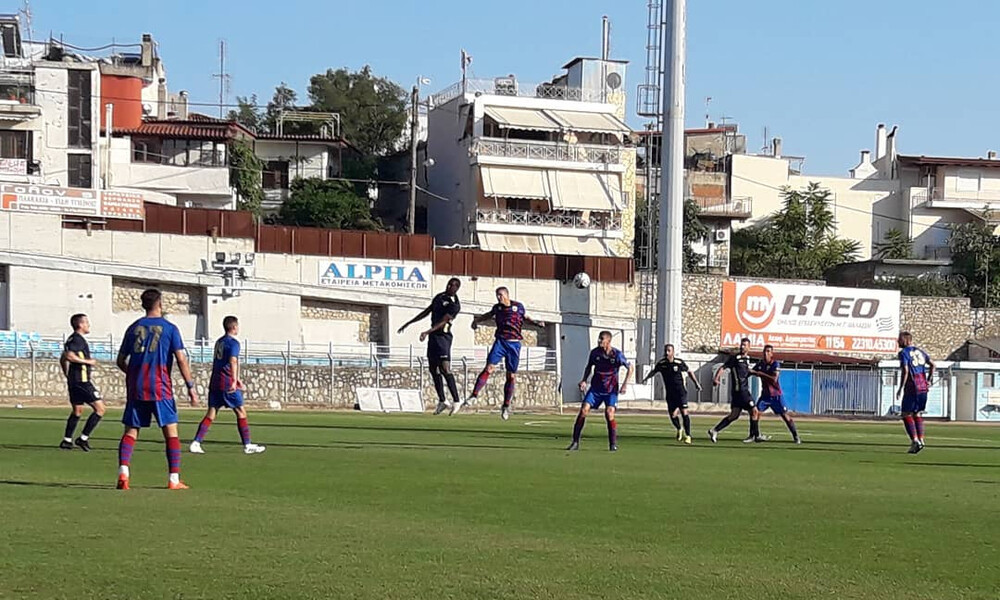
(940,326)
(533,336)
(305,386)
(177,299)
(369,318)
(986,322)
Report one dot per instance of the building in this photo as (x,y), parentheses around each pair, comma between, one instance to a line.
(544,168)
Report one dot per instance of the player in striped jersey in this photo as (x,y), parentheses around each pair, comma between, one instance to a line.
(917,371)
(605,362)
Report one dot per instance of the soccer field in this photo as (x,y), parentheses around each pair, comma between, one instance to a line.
(376,506)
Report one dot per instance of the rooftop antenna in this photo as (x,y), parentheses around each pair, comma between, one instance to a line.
(223,78)
(766,147)
(26,11)
(708,118)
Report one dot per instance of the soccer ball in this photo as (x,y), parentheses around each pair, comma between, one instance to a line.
(582,280)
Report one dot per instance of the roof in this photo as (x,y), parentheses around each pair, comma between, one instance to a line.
(821,358)
(199,128)
(702,131)
(300,137)
(579,58)
(947,161)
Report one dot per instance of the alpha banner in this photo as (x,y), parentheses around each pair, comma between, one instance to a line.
(375,274)
(806,317)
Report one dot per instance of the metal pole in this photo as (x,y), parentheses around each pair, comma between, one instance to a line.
(668,296)
(414,130)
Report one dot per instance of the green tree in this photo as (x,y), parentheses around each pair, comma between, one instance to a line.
(694,231)
(975,251)
(922,286)
(373,110)
(331,204)
(897,245)
(248,113)
(797,242)
(284,98)
(244,176)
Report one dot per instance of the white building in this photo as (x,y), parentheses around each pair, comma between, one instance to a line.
(292,156)
(530,168)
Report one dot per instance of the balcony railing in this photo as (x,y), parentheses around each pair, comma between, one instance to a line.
(937,252)
(739,207)
(194,158)
(923,196)
(585,153)
(568,220)
(504,86)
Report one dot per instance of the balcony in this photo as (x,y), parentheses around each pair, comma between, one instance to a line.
(505,86)
(582,223)
(558,151)
(937,198)
(17,96)
(937,252)
(733,208)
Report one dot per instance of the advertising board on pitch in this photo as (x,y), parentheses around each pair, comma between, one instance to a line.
(84,202)
(362,273)
(810,318)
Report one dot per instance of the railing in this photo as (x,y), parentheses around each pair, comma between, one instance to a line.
(937,252)
(16,344)
(547,151)
(737,207)
(570,220)
(921,196)
(510,87)
(194,158)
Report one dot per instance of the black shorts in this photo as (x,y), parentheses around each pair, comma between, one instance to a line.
(83,393)
(742,399)
(438,350)
(676,399)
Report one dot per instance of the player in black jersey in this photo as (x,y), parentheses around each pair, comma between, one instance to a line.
(443,310)
(77,365)
(739,366)
(674,372)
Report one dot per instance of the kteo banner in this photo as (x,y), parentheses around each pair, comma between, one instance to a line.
(810,318)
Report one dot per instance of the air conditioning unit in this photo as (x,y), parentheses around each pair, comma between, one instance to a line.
(505,86)
(721,235)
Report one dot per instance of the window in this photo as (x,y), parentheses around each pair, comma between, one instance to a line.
(78,106)
(989,380)
(80,170)
(967,180)
(275,176)
(15,144)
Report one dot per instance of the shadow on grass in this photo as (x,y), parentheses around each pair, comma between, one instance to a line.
(56,484)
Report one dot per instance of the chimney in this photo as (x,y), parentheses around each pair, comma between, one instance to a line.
(880,141)
(711,125)
(161,99)
(866,157)
(991,155)
(776,147)
(147,50)
(605,38)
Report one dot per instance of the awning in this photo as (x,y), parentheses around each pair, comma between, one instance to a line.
(503,242)
(585,190)
(521,118)
(572,246)
(506,182)
(591,122)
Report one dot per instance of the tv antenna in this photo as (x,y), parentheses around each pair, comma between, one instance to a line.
(224,79)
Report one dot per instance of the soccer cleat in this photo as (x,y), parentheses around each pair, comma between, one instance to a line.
(573,447)
(713,435)
(920,446)
(122,483)
(180,485)
(64,445)
(505,413)
(749,440)
(613,448)
(797,440)
(762,438)
(687,440)
(253,449)
(680,435)
(914,447)
(196,448)
(441,407)
(457,407)
(83,444)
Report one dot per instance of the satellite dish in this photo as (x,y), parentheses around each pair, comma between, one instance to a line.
(147,108)
(614,81)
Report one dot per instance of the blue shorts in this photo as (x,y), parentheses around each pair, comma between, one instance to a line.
(596,399)
(220,399)
(914,403)
(139,413)
(775,403)
(509,351)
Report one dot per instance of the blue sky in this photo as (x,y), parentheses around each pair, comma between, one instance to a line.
(819,74)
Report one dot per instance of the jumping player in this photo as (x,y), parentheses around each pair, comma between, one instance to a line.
(444,308)
(740,399)
(916,372)
(674,371)
(510,318)
(768,369)
(605,362)
(76,365)
(148,351)
(226,390)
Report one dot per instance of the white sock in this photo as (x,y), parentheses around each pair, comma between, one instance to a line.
(175,478)
(85,437)
(67,439)
(123,470)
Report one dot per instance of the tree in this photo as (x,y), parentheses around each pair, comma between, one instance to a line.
(373,110)
(975,251)
(284,98)
(797,242)
(248,113)
(897,245)
(316,202)
(694,231)
(244,175)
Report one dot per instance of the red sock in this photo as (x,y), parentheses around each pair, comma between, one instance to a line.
(125,448)
(174,454)
(244,428)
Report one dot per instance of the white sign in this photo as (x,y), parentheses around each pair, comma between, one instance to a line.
(13,166)
(369,273)
(807,317)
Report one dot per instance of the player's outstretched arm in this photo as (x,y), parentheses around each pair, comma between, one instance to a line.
(420,317)
(441,325)
(480,318)
(534,322)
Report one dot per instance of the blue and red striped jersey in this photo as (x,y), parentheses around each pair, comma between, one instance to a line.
(606,366)
(917,362)
(509,320)
(769,388)
(150,344)
(227,347)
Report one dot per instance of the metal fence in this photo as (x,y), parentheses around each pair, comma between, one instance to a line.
(15,344)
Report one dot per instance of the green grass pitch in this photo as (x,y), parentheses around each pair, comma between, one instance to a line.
(350,505)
